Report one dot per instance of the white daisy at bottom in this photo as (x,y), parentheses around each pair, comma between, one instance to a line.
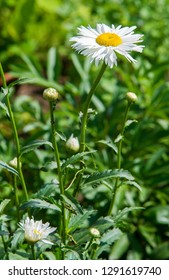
(36,230)
(103,42)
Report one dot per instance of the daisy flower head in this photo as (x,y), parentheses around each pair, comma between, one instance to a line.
(104,42)
(36,231)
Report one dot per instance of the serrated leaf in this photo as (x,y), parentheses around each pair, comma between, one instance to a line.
(111,236)
(123,212)
(35,145)
(108,239)
(72,203)
(135,184)
(116,173)
(18,238)
(38,203)
(9,168)
(74,158)
(3,205)
(78,220)
(48,190)
(109,143)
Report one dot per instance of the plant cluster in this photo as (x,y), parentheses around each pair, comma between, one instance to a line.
(84,153)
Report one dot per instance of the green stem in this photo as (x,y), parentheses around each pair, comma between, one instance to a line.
(86,107)
(84,122)
(119,159)
(57,157)
(16,196)
(18,150)
(33,251)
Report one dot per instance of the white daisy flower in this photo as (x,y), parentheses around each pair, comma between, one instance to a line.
(36,230)
(104,42)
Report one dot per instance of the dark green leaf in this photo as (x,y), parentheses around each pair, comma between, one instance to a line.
(109,143)
(17,239)
(38,203)
(3,205)
(72,204)
(116,173)
(125,211)
(9,168)
(76,157)
(35,145)
(78,220)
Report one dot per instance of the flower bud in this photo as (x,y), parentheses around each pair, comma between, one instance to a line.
(95,232)
(13,163)
(72,144)
(50,94)
(131,97)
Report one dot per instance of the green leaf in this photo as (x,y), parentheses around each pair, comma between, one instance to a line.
(129,122)
(111,236)
(119,248)
(61,135)
(74,158)
(72,255)
(159,214)
(118,138)
(161,252)
(19,81)
(108,239)
(38,203)
(18,238)
(109,143)
(72,204)
(3,106)
(48,190)
(9,168)
(116,173)
(35,145)
(135,184)
(3,205)
(49,166)
(123,212)
(77,221)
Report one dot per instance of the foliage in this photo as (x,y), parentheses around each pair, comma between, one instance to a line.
(35,50)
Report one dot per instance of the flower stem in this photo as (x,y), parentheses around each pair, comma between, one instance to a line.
(119,159)
(57,157)
(86,107)
(84,121)
(33,251)
(18,150)
(16,196)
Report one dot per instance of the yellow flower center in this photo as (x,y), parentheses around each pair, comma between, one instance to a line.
(109,40)
(37,232)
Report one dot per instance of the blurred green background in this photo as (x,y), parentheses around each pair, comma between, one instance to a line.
(34,43)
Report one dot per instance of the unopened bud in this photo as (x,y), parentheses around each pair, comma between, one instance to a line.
(95,232)
(72,144)
(50,94)
(13,163)
(131,97)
